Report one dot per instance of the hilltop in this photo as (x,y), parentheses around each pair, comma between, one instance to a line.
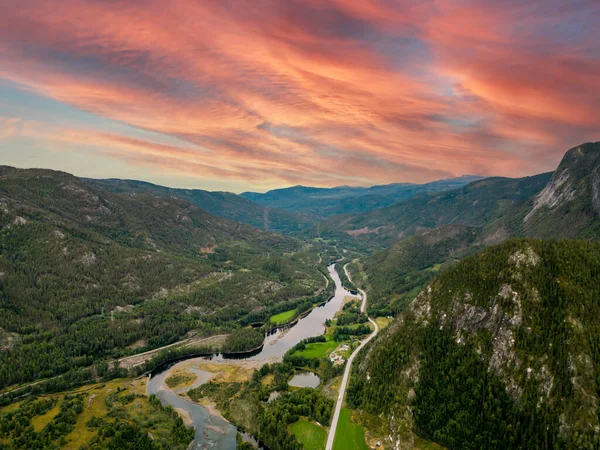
(500,351)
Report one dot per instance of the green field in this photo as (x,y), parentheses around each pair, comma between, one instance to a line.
(323,349)
(310,435)
(349,436)
(283,317)
(318,349)
(382,322)
(356,325)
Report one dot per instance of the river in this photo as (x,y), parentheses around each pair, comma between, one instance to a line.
(214,432)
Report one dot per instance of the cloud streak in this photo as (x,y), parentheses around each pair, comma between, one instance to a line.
(360,92)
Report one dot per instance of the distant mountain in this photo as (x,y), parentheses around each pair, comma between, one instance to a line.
(565,203)
(502,350)
(223,204)
(454,224)
(325,202)
(476,204)
(567,207)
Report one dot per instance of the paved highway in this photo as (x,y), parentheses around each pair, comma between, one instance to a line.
(346,377)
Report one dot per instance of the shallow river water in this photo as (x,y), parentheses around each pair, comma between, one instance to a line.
(214,432)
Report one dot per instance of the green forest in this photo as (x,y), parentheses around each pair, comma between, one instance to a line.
(493,339)
(243,340)
(397,274)
(543,294)
(79,267)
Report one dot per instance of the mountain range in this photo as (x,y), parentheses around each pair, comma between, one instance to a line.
(477,204)
(441,229)
(326,202)
(564,203)
(497,350)
(493,285)
(223,204)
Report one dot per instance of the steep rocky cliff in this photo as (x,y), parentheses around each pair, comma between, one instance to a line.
(569,205)
(500,351)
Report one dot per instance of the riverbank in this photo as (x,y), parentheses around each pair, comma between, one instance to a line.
(205,416)
(129,362)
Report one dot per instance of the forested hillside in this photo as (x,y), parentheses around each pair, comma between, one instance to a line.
(565,203)
(88,275)
(484,213)
(500,351)
(325,202)
(223,204)
(476,204)
(394,276)
(568,206)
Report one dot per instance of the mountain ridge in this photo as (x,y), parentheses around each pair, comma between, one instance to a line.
(85,274)
(349,186)
(563,203)
(398,272)
(325,202)
(475,204)
(499,351)
(225,204)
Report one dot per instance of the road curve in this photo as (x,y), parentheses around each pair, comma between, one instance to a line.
(346,377)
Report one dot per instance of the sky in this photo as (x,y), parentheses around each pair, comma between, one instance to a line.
(261,94)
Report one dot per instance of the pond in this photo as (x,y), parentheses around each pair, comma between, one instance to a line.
(305,379)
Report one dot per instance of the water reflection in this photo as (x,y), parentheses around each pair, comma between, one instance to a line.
(313,324)
(214,432)
(305,379)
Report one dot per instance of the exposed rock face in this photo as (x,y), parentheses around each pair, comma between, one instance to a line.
(525,258)
(7,339)
(161,293)
(59,234)
(595,182)
(506,323)
(557,192)
(571,198)
(20,221)
(88,259)
(421,306)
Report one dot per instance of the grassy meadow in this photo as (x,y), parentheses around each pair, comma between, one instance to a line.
(309,434)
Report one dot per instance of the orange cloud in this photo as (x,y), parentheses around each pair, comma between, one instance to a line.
(312,92)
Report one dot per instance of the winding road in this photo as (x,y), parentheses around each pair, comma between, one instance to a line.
(346,377)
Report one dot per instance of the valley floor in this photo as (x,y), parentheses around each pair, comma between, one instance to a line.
(130,362)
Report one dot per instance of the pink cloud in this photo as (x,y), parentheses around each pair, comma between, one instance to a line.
(318,92)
